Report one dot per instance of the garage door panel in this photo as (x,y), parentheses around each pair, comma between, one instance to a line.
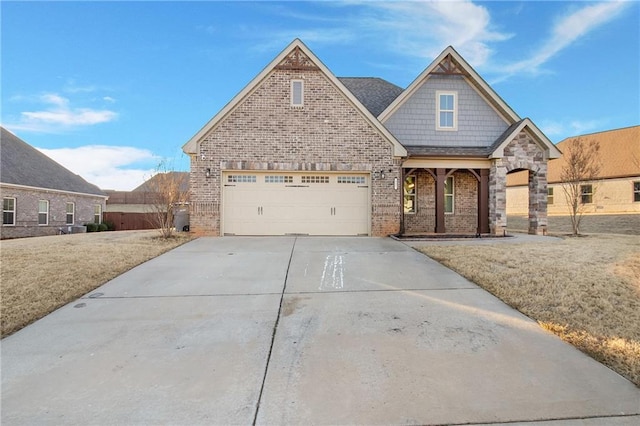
(279,204)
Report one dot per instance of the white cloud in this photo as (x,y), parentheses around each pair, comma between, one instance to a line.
(108,167)
(425,28)
(566,31)
(416,28)
(563,129)
(58,115)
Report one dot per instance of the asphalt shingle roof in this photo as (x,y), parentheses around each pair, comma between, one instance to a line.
(22,164)
(448,151)
(619,155)
(374,93)
(181,177)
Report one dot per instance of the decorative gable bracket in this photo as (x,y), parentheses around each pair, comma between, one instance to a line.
(449,66)
(297,61)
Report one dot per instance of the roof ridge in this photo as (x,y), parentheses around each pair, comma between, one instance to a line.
(600,132)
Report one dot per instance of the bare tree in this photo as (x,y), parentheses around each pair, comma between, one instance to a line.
(168,190)
(579,173)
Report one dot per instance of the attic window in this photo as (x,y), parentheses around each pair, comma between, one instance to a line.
(446,111)
(297,93)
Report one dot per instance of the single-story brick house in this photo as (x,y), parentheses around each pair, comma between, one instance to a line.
(616,188)
(300,151)
(39,196)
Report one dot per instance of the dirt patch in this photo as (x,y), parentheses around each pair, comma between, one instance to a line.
(583,289)
(41,274)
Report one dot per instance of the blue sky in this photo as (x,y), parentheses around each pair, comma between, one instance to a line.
(110,89)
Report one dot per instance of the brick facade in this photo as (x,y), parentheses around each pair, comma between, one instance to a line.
(26,215)
(263,132)
(260,130)
(463,220)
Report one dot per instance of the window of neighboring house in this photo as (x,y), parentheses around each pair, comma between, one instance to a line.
(586,194)
(43,212)
(297,93)
(447,117)
(410,194)
(97,213)
(71,210)
(549,195)
(636,191)
(8,211)
(448,195)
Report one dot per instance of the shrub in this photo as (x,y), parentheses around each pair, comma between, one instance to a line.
(110,225)
(103,227)
(91,227)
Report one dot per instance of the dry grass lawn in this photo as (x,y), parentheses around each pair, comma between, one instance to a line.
(584,289)
(43,273)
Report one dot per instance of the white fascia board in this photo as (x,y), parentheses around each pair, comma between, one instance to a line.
(550,149)
(191,147)
(476,81)
(57,191)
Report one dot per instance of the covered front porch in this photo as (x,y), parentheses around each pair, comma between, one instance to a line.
(445,201)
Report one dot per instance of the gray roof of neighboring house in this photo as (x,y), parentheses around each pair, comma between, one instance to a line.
(22,164)
(181,177)
(374,93)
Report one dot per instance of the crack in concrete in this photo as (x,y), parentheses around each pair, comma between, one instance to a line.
(273,335)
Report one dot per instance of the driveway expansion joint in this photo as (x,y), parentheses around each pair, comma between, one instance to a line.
(273,335)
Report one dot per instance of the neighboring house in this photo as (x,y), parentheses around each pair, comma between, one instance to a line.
(130,210)
(616,189)
(39,196)
(300,151)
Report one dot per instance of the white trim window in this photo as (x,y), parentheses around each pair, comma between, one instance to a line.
(410,194)
(297,93)
(43,212)
(449,195)
(9,211)
(71,213)
(97,213)
(586,194)
(446,110)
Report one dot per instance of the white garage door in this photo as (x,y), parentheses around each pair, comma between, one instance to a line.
(295,203)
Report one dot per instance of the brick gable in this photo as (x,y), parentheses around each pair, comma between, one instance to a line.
(263,132)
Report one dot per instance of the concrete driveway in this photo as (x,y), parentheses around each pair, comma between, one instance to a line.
(299,330)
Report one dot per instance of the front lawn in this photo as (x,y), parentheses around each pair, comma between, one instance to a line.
(584,289)
(41,274)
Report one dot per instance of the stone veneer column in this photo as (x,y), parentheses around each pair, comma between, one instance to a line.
(538,200)
(497,197)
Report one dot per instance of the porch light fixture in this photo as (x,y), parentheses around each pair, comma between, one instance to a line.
(207,172)
(395,183)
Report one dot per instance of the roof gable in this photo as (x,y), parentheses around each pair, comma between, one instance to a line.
(22,164)
(497,149)
(295,56)
(181,178)
(449,62)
